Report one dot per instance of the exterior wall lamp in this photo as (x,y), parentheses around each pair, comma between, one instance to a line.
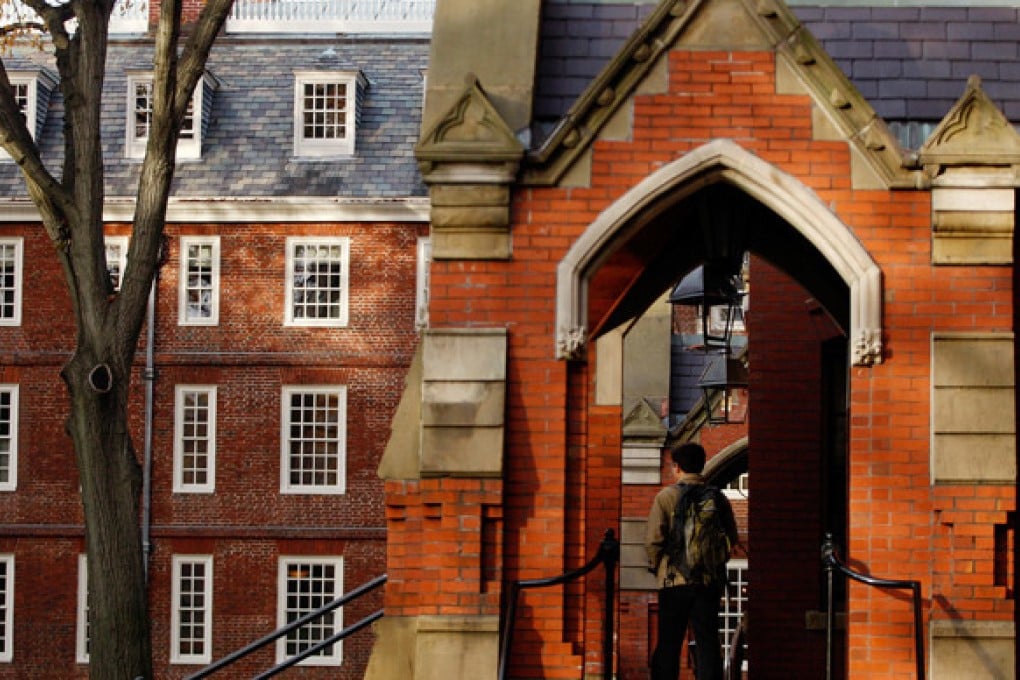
(724,384)
(717,292)
(716,289)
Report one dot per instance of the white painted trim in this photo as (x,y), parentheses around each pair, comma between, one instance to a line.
(175,610)
(7,616)
(283,562)
(178,472)
(286,487)
(81,637)
(121,243)
(12,455)
(723,161)
(353,83)
(293,242)
(184,276)
(19,278)
(210,209)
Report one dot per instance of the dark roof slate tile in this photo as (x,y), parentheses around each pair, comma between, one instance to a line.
(909,62)
(248,148)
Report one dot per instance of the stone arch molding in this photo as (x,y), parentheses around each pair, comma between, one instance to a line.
(724,160)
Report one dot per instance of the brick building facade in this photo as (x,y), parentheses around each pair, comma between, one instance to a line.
(880,329)
(578,159)
(283,322)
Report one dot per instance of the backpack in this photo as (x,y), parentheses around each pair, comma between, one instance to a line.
(697,544)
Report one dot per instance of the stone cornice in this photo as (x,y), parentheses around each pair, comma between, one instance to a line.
(252,210)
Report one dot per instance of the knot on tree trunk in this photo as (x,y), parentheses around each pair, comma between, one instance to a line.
(101,378)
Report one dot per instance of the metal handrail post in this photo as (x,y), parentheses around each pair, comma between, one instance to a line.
(830,612)
(610,550)
(508,629)
(831,561)
(608,554)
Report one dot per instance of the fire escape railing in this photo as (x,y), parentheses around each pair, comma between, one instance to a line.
(298,623)
(609,555)
(831,563)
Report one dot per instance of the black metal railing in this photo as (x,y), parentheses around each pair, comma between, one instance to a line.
(609,555)
(294,625)
(831,563)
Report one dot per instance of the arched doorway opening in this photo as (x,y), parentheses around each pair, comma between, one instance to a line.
(817,308)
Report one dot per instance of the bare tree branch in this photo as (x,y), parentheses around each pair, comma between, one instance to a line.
(17,141)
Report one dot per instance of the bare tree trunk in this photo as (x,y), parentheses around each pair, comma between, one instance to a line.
(108,323)
(110,487)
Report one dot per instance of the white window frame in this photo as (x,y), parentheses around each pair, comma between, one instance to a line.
(17,258)
(81,637)
(180,436)
(184,315)
(421,305)
(206,610)
(7,609)
(311,147)
(286,563)
(120,244)
(189,145)
(739,488)
(11,484)
(738,572)
(286,485)
(30,108)
(291,290)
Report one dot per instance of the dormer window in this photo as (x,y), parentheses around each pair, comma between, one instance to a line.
(139,113)
(32,91)
(326,112)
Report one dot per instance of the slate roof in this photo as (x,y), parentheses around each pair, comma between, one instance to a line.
(248,147)
(910,63)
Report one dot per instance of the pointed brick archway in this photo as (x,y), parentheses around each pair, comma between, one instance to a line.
(723,161)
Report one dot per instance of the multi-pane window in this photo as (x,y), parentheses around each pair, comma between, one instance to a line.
(6,608)
(325,112)
(82,628)
(313,456)
(22,96)
(116,258)
(191,609)
(421,316)
(10,281)
(195,439)
(31,94)
(317,281)
(199,293)
(738,487)
(139,112)
(305,585)
(732,607)
(8,437)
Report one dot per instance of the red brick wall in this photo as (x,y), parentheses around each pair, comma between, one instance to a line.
(247,523)
(893,530)
(787,469)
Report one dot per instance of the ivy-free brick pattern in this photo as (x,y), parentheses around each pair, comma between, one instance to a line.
(562,448)
(246,524)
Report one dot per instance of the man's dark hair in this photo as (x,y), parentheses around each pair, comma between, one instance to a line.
(690,457)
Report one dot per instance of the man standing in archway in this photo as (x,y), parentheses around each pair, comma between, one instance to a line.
(689,536)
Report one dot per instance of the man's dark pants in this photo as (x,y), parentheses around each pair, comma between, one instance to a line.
(679,605)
